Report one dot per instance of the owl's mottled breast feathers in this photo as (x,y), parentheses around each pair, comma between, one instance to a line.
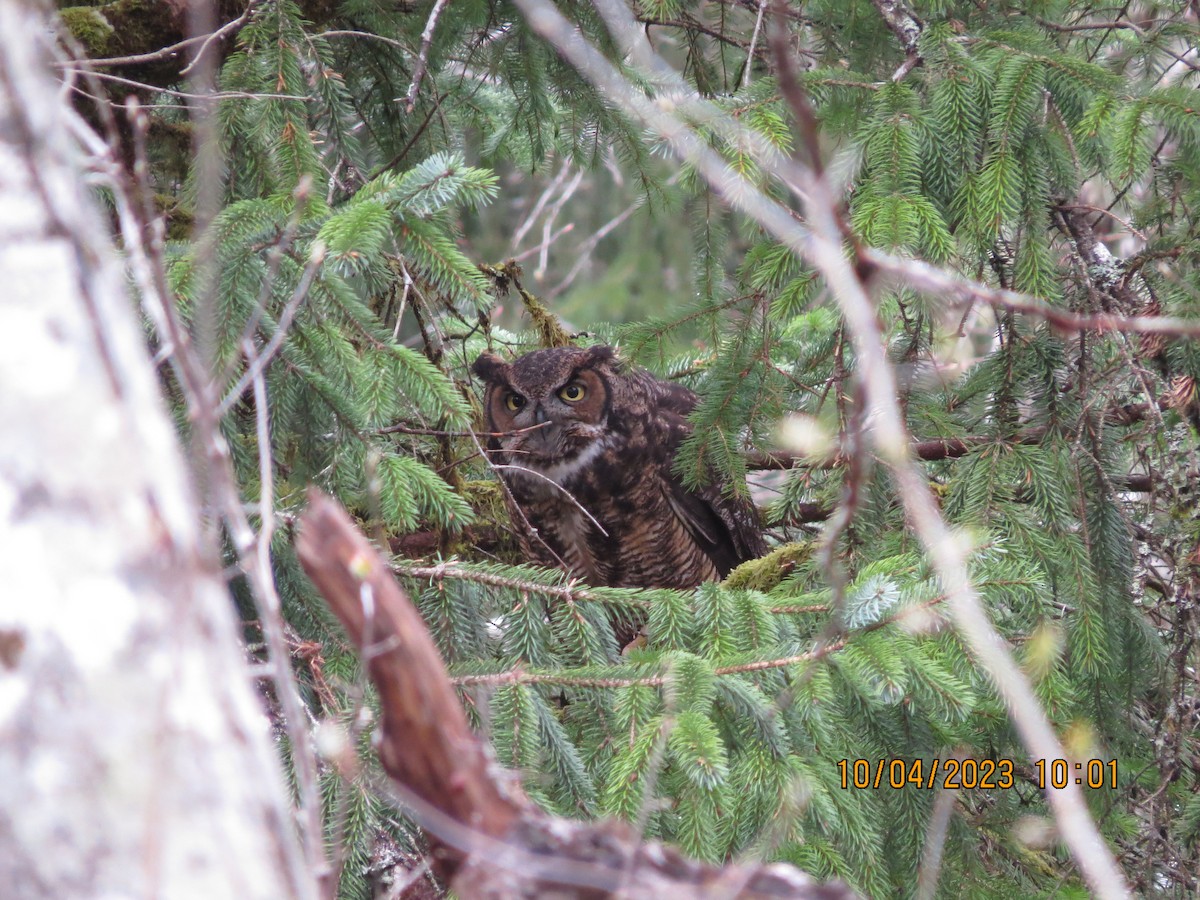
(586,445)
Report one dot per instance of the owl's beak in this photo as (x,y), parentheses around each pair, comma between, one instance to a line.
(542,440)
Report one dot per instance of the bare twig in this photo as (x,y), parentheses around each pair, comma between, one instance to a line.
(758,20)
(935,841)
(548,225)
(260,361)
(583,252)
(274,260)
(220,33)
(410,98)
(793,91)
(527,223)
(907,28)
(391,42)
(547,241)
(439,432)
(583,509)
(191,95)
(172,51)
(930,279)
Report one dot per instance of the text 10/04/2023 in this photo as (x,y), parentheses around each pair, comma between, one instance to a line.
(971,773)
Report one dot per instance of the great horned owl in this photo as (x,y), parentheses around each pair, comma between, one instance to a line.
(585,446)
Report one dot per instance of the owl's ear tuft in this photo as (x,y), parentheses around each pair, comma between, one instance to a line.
(600,354)
(489,367)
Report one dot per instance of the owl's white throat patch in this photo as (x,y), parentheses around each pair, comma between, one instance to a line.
(563,473)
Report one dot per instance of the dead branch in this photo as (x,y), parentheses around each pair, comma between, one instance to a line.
(153,41)
(907,29)
(410,98)
(488,837)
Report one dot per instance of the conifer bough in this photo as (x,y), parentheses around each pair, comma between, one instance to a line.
(489,839)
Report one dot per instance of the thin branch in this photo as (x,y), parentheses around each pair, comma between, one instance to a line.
(901,21)
(935,841)
(583,509)
(930,279)
(220,33)
(907,28)
(548,225)
(437,432)
(547,241)
(186,95)
(391,42)
(793,91)
(583,252)
(568,593)
(758,20)
(275,257)
(410,98)
(173,50)
(260,362)
(692,25)
(527,223)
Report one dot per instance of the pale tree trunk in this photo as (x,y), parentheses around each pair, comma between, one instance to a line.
(135,759)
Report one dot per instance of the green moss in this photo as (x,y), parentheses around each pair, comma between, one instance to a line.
(766,573)
(487,499)
(89,27)
(549,329)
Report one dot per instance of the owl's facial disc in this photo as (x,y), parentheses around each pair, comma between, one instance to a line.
(562,420)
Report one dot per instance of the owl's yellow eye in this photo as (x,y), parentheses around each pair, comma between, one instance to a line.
(514,401)
(573,392)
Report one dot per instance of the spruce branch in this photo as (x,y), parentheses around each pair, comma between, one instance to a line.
(492,841)
(823,648)
(567,593)
(823,248)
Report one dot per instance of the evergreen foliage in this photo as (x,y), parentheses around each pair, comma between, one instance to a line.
(360,245)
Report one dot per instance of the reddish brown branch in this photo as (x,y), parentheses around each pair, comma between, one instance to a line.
(935,449)
(427,744)
(488,836)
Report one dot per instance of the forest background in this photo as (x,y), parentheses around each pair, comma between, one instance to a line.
(930,269)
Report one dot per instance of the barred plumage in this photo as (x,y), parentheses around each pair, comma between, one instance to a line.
(586,451)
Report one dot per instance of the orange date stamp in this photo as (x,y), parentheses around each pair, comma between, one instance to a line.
(986,774)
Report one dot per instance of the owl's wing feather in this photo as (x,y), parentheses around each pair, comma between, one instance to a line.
(726,528)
